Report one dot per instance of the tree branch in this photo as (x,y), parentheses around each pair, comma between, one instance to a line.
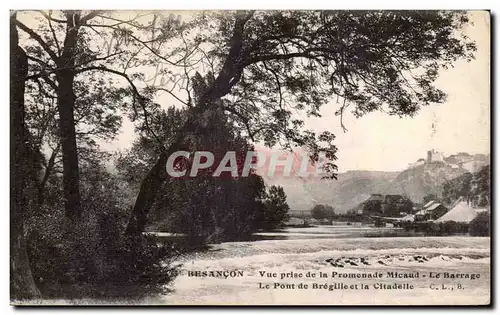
(174,96)
(100,58)
(90,16)
(277,83)
(50,18)
(143,43)
(243,119)
(49,167)
(137,96)
(39,39)
(54,35)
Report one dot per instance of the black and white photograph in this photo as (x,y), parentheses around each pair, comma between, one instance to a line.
(250,157)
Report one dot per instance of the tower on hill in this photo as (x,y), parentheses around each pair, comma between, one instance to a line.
(434,156)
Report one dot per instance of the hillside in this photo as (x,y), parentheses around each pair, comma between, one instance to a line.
(350,189)
(426,179)
(354,187)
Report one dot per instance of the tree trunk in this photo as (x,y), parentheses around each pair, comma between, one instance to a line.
(147,195)
(66,105)
(155,178)
(71,177)
(22,285)
(46,175)
(228,76)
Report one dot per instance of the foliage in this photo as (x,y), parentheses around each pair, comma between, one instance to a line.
(240,75)
(481,186)
(457,187)
(94,259)
(452,227)
(300,60)
(372,207)
(390,205)
(441,228)
(481,225)
(205,208)
(275,208)
(214,210)
(397,204)
(320,212)
(474,187)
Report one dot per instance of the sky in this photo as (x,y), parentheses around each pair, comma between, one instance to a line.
(461,124)
(388,143)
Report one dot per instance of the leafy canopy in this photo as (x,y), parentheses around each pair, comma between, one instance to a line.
(270,66)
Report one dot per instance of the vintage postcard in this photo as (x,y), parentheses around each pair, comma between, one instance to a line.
(265,157)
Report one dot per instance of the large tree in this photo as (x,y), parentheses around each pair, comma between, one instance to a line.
(262,66)
(64,57)
(96,116)
(64,60)
(23,169)
(205,208)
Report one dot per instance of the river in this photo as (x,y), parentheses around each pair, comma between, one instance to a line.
(278,268)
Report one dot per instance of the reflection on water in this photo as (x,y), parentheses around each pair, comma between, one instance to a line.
(337,230)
